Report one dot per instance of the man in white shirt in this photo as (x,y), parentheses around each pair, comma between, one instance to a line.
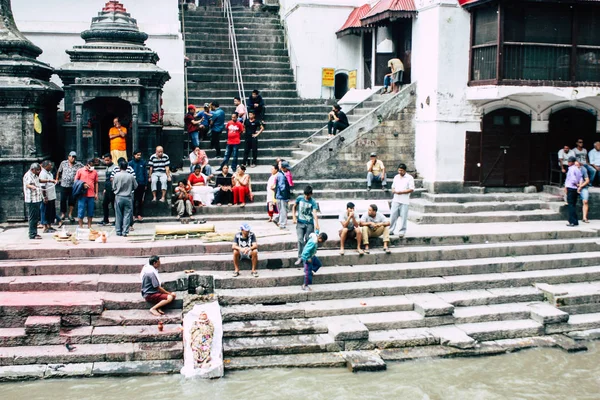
(48,206)
(594,156)
(563,157)
(403,186)
(581,155)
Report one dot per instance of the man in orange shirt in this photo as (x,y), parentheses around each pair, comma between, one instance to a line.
(118,146)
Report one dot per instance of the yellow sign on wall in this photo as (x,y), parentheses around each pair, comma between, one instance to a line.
(352,79)
(328,77)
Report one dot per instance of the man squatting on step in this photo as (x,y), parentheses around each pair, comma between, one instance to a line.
(152,291)
(309,257)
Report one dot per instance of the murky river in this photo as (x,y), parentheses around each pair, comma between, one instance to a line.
(530,374)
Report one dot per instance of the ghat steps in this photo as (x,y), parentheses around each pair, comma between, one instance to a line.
(444,292)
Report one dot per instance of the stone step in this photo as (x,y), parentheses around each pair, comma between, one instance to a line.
(425,206)
(91,353)
(244,43)
(308,360)
(251,78)
(226,52)
(398,270)
(249,69)
(291,344)
(496,330)
(289,102)
(135,317)
(13,337)
(242,35)
(478,197)
(202,82)
(196,55)
(579,322)
(268,94)
(274,328)
(285,294)
(483,217)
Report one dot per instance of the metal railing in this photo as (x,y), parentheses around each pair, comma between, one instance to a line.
(237,69)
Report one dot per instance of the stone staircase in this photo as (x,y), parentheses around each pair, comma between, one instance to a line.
(265,66)
(497,206)
(451,293)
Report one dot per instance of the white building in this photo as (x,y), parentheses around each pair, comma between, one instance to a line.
(502,85)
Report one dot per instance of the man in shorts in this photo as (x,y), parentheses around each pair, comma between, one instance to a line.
(245,248)
(350,228)
(583,191)
(152,291)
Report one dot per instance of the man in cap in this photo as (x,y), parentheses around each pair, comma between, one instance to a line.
(350,228)
(245,248)
(33,198)
(375,172)
(192,125)
(282,193)
(572,184)
(66,176)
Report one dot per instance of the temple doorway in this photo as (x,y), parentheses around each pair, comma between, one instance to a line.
(570,124)
(98,115)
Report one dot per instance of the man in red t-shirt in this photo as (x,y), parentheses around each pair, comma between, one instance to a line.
(85,204)
(234,137)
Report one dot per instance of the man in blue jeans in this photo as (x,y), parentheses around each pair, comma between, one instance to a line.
(282,194)
(309,258)
(217,122)
(85,206)
(306,220)
(572,184)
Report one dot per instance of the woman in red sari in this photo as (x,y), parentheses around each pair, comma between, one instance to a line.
(201,192)
(242,186)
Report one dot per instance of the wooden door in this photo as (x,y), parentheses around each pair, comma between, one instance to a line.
(505,148)
(472,174)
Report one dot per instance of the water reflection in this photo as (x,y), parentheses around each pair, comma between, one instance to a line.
(531,374)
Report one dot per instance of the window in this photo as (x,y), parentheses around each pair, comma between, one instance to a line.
(529,42)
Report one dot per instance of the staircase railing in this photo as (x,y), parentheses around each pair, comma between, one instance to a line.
(237,69)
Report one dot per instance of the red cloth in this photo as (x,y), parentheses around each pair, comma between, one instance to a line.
(196,179)
(89,177)
(234,132)
(239,194)
(156,298)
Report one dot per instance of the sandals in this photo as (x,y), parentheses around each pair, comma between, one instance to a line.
(586,221)
(236,274)
(255,274)
(360,252)
(341,252)
(387,250)
(367,251)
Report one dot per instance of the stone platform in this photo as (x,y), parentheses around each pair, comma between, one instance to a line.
(445,290)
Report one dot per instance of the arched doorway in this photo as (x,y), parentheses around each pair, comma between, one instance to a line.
(570,124)
(341,85)
(98,116)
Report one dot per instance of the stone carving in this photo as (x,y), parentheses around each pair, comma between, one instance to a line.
(107,81)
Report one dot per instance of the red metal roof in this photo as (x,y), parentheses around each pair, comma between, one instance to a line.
(385,9)
(472,2)
(353,21)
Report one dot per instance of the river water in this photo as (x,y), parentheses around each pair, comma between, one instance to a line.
(529,374)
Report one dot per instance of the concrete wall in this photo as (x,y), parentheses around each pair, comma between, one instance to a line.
(313,44)
(440,63)
(55,26)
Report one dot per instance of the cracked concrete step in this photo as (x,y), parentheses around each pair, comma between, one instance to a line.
(274,327)
(285,294)
(574,298)
(309,360)
(292,344)
(483,217)
(338,274)
(87,353)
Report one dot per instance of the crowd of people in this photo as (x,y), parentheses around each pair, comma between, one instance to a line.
(580,168)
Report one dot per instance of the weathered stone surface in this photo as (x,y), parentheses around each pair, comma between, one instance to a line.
(74,320)
(311,360)
(545,313)
(273,327)
(51,303)
(358,361)
(403,338)
(68,370)
(590,334)
(578,322)
(22,372)
(135,317)
(485,331)
(347,329)
(453,337)
(158,351)
(137,368)
(493,312)
(568,344)
(430,305)
(143,333)
(258,346)
(42,324)
(353,345)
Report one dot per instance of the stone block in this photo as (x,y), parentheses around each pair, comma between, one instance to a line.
(358,361)
(568,344)
(22,372)
(545,313)
(350,329)
(74,320)
(68,370)
(453,337)
(431,306)
(590,334)
(157,351)
(133,368)
(353,345)
(42,324)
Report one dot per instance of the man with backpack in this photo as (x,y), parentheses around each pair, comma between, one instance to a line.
(282,193)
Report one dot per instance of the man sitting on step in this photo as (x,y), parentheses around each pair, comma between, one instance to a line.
(376,172)
(152,291)
(350,228)
(375,224)
(245,248)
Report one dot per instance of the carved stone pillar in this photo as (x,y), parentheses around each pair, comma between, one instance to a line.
(134,126)
(79,130)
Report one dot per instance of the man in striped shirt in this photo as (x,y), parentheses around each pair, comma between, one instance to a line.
(33,198)
(159,171)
